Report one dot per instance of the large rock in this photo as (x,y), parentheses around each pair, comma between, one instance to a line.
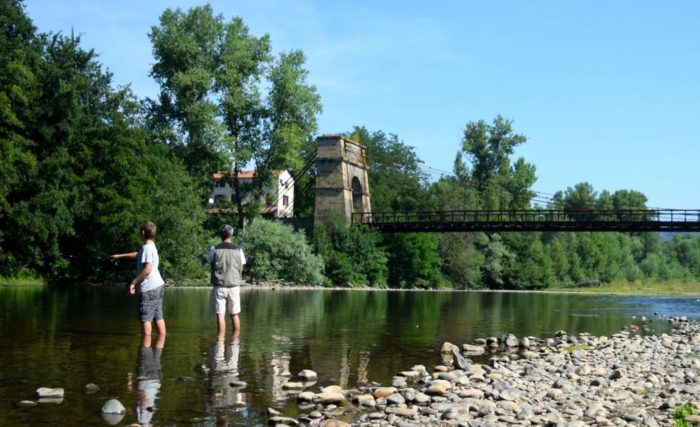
(459,361)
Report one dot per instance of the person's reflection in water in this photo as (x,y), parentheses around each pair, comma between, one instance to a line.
(225,391)
(148,379)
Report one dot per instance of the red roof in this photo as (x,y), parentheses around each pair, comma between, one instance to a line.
(241,174)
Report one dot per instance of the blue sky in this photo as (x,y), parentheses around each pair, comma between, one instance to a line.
(607,92)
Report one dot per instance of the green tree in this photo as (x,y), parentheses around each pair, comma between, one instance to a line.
(218,99)
(19,55)
(352,255)
(395,178)
(501,184)
(414,260)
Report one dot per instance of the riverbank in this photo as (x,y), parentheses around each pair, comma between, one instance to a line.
(626,379)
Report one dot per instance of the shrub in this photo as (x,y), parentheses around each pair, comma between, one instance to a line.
(275,251)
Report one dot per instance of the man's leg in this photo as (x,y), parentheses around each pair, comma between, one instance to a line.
(221,324)
(146,328)
(236,325)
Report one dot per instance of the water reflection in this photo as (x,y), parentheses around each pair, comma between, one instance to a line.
(148,378)
(279,368)
(225,388)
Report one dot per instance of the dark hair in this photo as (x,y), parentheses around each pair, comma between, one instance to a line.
(148,229)
(225,231)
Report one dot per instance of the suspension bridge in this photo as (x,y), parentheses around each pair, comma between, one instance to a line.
(341,187)
(550,220)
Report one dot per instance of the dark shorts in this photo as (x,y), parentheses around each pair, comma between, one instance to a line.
(151,304)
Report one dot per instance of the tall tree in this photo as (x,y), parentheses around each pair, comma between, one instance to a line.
(19,57)
(395,179)
(234,101)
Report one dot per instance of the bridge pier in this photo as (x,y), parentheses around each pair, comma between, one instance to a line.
(342,185)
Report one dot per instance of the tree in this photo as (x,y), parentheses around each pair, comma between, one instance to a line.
(19,56)
(489,147)
(218,99)
(395,179)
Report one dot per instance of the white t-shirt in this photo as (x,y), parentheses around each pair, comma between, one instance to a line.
(149,254)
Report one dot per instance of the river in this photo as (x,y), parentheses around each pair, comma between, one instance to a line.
(71,337)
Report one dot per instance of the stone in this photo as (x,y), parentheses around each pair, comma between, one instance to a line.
(305,396)
(92,388)
(328,397)
(113,406)
(447,347)
(49,392)
(332,389)
(395,399)
(308,375)
(292,385)
(459,361)
(366,400)
(24,404)
(384,392)
(285,421)
(333,423)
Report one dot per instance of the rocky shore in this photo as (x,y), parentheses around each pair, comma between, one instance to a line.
(628,379)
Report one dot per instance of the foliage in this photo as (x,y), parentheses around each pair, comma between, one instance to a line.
(395,178)
(89,174)
(352,255)
(212,107)
(275,251)
(681,412)
(414,260)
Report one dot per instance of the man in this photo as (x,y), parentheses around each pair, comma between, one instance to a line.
(227,263)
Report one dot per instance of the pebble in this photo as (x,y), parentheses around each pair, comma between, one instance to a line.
(565,380)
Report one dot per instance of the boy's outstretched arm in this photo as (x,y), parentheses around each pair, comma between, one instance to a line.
(128,255)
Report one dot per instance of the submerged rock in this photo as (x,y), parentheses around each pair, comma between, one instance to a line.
(49,392)
(113,406)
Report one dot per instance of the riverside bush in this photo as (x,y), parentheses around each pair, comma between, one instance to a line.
(275,251)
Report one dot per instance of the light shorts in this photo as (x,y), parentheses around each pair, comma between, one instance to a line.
(225,298)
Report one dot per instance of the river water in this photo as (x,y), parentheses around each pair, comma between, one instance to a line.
(71,337)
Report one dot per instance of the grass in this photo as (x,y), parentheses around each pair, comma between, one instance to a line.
(22,281)
(673,287)
(681,412)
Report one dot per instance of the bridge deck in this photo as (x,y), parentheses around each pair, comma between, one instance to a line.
(680,220)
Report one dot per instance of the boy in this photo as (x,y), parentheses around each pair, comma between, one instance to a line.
(227,263)
(148,279)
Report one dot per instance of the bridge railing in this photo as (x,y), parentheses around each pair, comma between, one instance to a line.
(534,219)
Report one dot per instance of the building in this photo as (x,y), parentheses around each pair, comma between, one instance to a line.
(277,200)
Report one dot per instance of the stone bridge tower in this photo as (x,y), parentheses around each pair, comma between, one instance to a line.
(342,187)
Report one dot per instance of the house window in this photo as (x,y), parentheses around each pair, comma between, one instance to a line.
(285,200)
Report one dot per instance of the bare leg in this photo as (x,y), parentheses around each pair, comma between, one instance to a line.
(146,341)
(221,324)
(160,342)
(236,325)
(146,328)
(160,325)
